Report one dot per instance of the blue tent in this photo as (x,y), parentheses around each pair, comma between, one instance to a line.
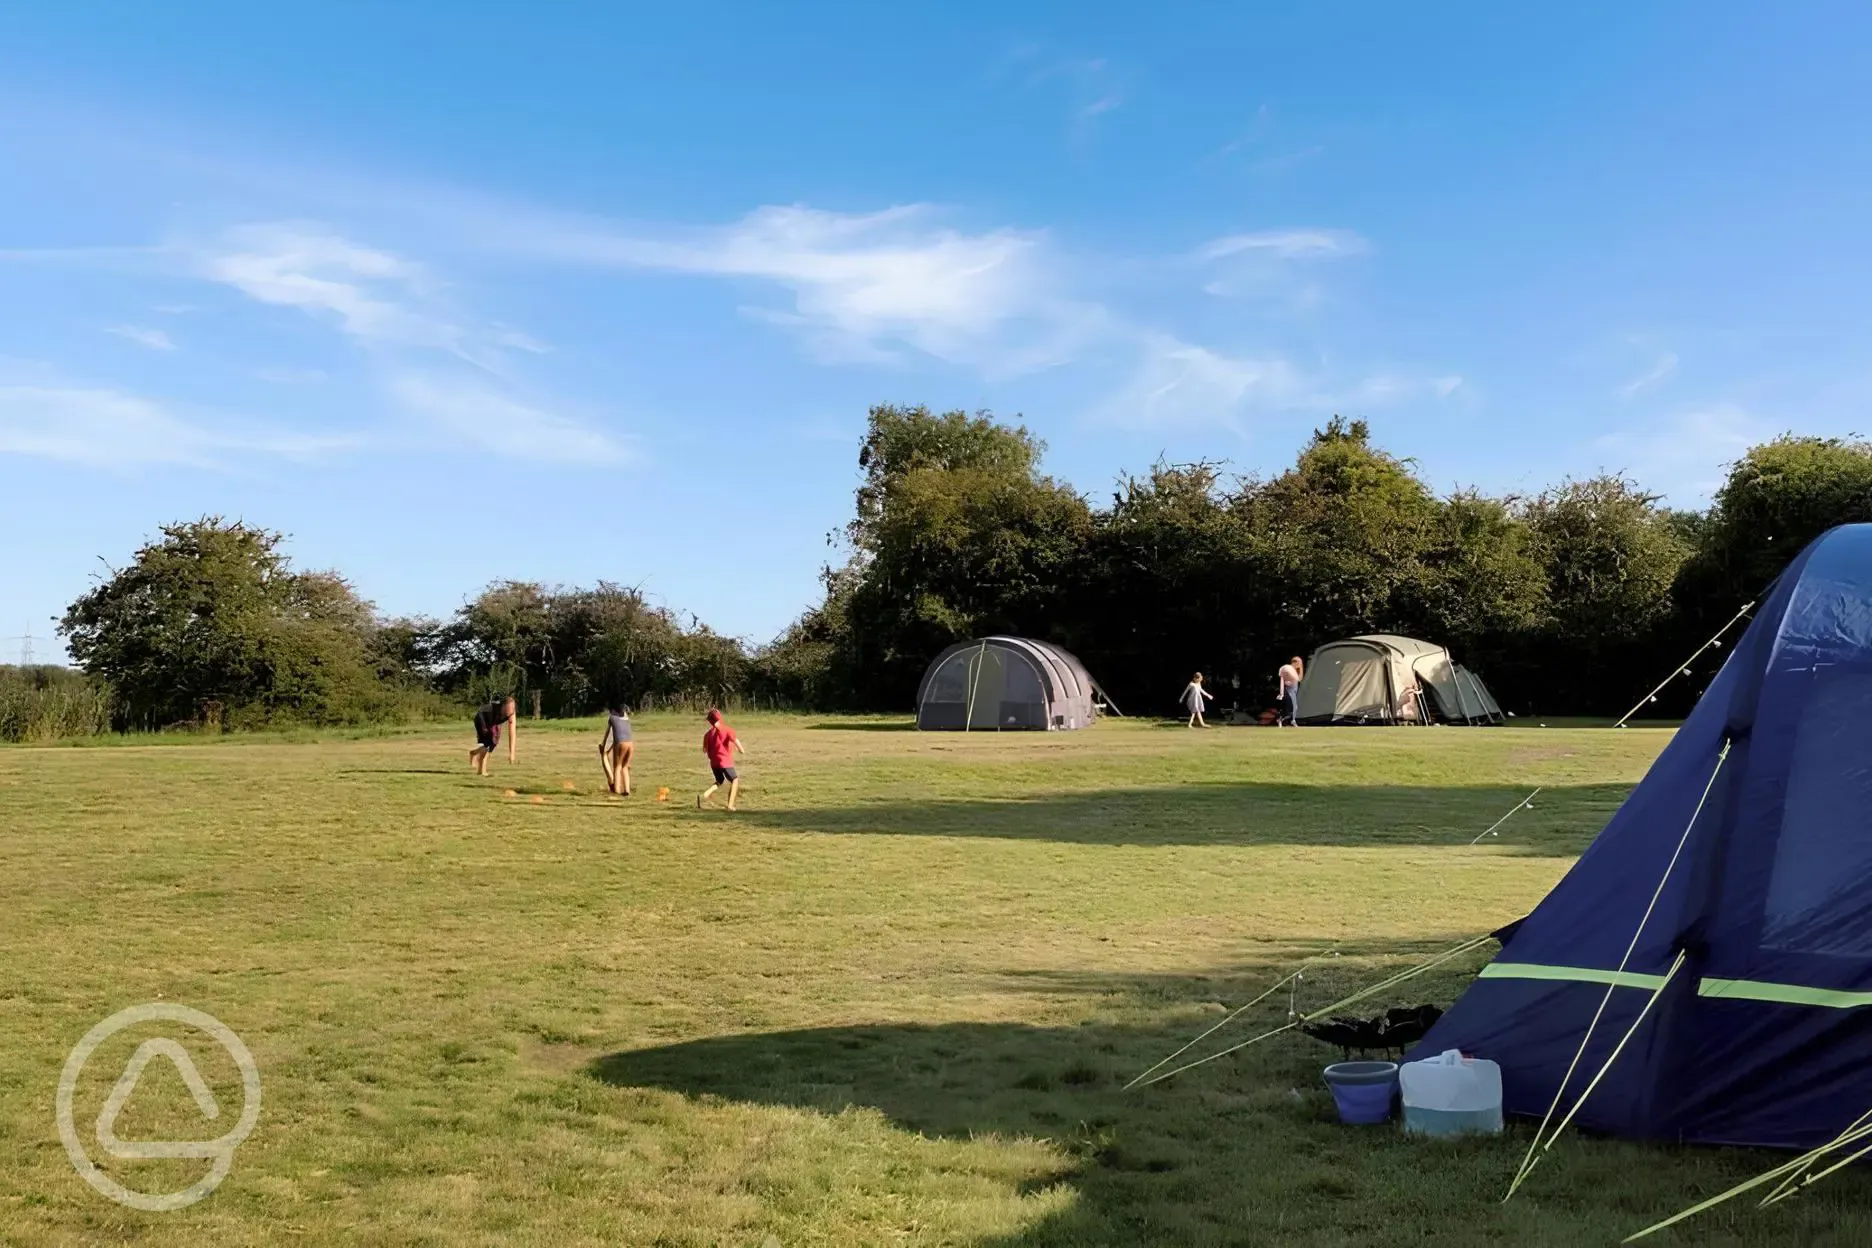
(1755,866)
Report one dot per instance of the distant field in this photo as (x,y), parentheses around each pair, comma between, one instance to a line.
(892,1001)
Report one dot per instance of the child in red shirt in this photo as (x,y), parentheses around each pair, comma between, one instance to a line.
(719,744)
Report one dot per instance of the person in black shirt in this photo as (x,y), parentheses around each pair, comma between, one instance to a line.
(488,722)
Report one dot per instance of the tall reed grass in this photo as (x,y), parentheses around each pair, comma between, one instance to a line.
(47,703)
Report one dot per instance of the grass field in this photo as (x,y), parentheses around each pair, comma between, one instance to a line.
(892,1001)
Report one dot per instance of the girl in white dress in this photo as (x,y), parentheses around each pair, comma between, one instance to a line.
(1194,696)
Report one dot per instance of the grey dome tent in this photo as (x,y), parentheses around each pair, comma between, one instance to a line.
(1385,679)
(1006,684)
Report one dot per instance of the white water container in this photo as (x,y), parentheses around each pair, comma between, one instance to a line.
(1451,1095)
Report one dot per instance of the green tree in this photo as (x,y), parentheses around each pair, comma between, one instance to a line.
(1609,555)
(1169,587)
(501,642)
(1343,534)
(580,649)
(1480,583)
(1777,498)
(808,664)
(604,644)
(957,532)
(212,622)
(900,441)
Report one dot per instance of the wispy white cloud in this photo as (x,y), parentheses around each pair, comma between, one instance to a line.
(1281,162)
(474,413)
(872,288)
(390,305)
(384,303)
(105,427)
(1104,103)
(370,294)
(1259,133)
(1383,388)
(1685,454)
(377,298)
(864,285)
(92,426)
(1291,244)
(291,376)
(154,339)
(1178,383)
(1275,264)
(877,288)
(1093,85)
(1173,382)
(1662,365)
(1259,127)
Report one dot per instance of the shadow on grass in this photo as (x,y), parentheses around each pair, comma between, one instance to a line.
(1562,821)
(885,725)
(1246,1150)
(1165,1165)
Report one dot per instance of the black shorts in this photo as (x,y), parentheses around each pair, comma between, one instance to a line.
(724,774)
(487,738)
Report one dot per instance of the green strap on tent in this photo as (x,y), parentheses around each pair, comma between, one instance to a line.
(1723,989)
(1571,975)
(1782,994)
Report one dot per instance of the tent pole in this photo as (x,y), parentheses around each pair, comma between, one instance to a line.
(1462,701)
(968,718)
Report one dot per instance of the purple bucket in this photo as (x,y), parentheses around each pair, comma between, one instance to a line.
(1363,1091)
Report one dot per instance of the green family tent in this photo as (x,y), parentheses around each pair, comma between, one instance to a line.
(1385,679)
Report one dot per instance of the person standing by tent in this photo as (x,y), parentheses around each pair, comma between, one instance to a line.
(1194,698)
(488,722)
(719,744)
(1292,672)
(616,749)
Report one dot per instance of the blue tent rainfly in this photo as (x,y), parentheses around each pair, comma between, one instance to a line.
(1746,852)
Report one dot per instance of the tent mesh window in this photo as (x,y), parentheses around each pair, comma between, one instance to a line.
(946,701)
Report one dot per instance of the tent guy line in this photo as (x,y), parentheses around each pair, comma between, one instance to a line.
(1295,1020)
(1277,985)
(1532,1159)
(1526,803)
(1683,668)
(1786,1172)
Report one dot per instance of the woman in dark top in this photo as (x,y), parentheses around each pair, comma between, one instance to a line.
(616,749)
(488,722)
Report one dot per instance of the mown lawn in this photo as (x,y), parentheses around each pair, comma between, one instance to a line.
(892,1001)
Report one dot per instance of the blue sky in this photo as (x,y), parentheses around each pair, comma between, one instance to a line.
(451,293)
